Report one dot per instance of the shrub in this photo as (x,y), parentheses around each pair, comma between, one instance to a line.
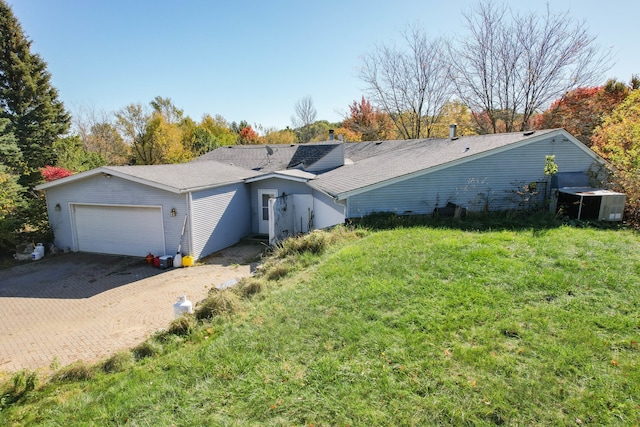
(218,303)
(51,173)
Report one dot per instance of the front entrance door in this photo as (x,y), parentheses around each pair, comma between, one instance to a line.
(263,209)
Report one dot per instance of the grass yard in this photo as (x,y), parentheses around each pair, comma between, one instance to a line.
(412,326)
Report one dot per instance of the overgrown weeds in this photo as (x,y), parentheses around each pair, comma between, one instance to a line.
(217,303)
(21,384)
(149,348)
(118,362)
(315,242)
(78,371)
(250,286)
(183,325)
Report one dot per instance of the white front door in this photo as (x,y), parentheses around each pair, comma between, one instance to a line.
(264,212)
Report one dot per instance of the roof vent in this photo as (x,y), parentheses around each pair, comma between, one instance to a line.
(452,131)
(529,132)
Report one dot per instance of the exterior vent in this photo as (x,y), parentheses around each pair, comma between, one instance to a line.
(452,131)
(529,132)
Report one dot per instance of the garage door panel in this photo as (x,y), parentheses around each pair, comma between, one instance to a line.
(122,230)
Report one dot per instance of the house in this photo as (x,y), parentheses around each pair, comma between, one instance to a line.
(236,191)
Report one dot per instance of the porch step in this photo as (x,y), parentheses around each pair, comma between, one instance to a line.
(256,238)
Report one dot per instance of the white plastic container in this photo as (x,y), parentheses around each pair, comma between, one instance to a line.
(177,260)
(35,255)
(40,249)
(182,306)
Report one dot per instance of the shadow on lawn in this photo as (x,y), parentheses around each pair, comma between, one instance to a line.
(479,222)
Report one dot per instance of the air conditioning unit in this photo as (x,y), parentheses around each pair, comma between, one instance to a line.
(591,203)
(612,207)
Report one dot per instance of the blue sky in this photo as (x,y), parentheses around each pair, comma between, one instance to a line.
(252,60)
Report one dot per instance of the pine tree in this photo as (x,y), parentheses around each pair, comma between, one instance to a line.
(10,154)
(27,98)
(11,192)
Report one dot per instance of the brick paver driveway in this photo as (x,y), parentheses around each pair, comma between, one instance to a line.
(86,307)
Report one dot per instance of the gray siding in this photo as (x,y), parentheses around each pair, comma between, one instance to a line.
(475,184)
(282,185)
(220,218)
(113,191)
(327,211)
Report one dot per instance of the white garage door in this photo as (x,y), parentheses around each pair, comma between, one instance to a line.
(121,230)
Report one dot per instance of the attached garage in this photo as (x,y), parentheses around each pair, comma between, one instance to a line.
(136,210)
(121,230)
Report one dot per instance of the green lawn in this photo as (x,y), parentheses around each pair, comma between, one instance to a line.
(413,326)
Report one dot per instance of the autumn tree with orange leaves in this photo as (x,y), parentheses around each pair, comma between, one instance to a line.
(581,110)
(248,136)
(369,123)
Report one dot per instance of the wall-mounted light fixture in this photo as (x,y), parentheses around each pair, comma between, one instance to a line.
(58,207)
(173,212)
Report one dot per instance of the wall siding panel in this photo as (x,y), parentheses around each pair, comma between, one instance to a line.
(221,217)
(113,191)
(327,212)
(475,184)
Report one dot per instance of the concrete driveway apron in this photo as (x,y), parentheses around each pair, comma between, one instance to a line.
(86,307)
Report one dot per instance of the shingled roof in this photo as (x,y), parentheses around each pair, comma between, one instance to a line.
(377,163)
(176,178)
(254,157)
(281,157)
(373,163)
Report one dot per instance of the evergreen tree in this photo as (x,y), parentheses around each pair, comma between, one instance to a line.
(10,154)
(27,98)
(11,192)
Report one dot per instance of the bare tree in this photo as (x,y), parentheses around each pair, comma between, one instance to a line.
(99,134)
(509,66)
(411,85)
(305,116)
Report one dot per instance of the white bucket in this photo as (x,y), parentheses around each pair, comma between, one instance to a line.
(182,306)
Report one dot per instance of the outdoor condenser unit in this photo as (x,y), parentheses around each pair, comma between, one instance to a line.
(591,204)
